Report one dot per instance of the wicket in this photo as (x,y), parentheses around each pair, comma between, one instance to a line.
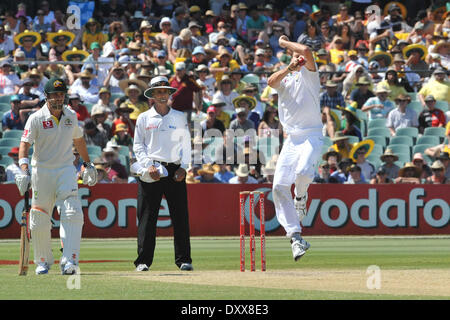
(251,195)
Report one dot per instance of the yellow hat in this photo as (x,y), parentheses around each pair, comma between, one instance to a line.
(69,37)
(415,47)
(251,101)
(69,55)
(18,39)
(366,144)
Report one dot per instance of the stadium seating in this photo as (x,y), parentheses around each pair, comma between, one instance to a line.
(385,132)
(400,148)
(6,161)
(420,148)
(409,132)
(124,150)
(9,142)
(4,107)
(5,99)
(353,139)
(431,140)
(443,105)
(4,150)
(435,131)
(379,140)
(12,134)
(89,107)
(416,106)
(94,149)
(377,123)
(377,149)
(403,157)
(408,141)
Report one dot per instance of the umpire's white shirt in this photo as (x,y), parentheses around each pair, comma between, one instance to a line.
(53,139)
(162,138)
(299,107)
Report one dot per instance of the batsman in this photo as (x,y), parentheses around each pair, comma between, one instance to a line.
(53,130)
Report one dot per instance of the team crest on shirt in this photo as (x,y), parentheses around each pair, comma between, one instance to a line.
(48,124)
(68,123)
(25,133)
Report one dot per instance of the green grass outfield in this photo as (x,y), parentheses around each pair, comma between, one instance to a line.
(333,268)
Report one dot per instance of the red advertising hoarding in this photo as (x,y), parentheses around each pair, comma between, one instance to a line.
(110,210)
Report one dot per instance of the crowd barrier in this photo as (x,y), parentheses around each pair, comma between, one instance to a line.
(110,210)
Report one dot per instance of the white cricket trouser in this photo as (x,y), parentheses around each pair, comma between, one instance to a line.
(296,164)
(55,186)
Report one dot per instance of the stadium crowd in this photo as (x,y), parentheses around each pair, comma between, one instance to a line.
(384,78)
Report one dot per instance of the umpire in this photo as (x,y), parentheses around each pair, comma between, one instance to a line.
(162,144)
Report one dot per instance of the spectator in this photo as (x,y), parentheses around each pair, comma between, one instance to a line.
(2,174)
(86,91)
(355,175)
(270,126)
(242,176)
(331,98)
(380,106)
(222,173)
(439,87)
(207,174)
(337,51)
(401,117)
(389,158)
(93,136)
(78,162)
(163,66)
(438,176)
(323,175)
(11,119)
(431,116)
(6,42)
(123,116)
(392,83)
(121,138)
(420,163)
(104,104)
(211,122)
(117,173)
(381,177)
(359,153)
(224,64)
(312,37)
(362,93)
(255,24)
(351,80)
(415,55)
(205,81)
(409,174)
(9,82)
(80,109)
(133,92)
(247,103)
(14,167)
(28,42)
(407,78)
(188,94)
(92,33)
(115,75)
(341,175)
(251,90)
(184,40)
(351,122)
(341,144)
(198,59)
(102,175)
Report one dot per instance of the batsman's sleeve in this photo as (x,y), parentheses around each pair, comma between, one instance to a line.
(139,146)
(186,148)
(30,131)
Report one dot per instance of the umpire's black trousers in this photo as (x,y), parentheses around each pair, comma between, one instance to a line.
(148,205)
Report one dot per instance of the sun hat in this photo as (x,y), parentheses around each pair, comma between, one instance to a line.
(197,50)
(132,87)
(206,169)
(121,127)
(185,34)
(133,79)
(339,135)
(250,100)
(165,20)
(415,48)
(331,151)
(18,39)
(68,36)
(367,144)
(211,109)
(381,88)
(157,83)
(69,55)
(437,165)
(410,165)
(388,153)
(14,150)
(242,171)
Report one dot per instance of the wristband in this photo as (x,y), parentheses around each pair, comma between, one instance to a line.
(24,161)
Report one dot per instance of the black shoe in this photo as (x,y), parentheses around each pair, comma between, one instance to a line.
(186,267)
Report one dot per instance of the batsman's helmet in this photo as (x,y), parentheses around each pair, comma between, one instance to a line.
(55,85)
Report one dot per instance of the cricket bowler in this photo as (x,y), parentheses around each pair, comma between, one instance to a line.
(54,130)
(298,89)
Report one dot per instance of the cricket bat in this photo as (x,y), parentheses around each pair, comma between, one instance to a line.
(24,238)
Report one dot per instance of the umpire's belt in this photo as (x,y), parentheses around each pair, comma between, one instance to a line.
(167,164)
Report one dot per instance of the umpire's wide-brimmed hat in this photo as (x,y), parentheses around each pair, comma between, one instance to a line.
(365,144)
(67,35)
(250,100)
(415,48)
(35,36)
(70,55)
(159,82)
(55,85)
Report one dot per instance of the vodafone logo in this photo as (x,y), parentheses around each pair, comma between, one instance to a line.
(47,124)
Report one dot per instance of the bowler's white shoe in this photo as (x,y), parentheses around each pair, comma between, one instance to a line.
(42,268)
(299,246)
(69,268)
(300,206)
(142,267)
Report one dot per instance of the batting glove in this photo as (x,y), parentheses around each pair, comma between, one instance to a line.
(23,181)
(89,174)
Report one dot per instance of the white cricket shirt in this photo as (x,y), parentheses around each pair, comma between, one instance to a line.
(162,138)
(298,102)
(53,139)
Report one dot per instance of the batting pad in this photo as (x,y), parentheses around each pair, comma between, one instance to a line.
(301,185)
(40,227)
(71,224)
